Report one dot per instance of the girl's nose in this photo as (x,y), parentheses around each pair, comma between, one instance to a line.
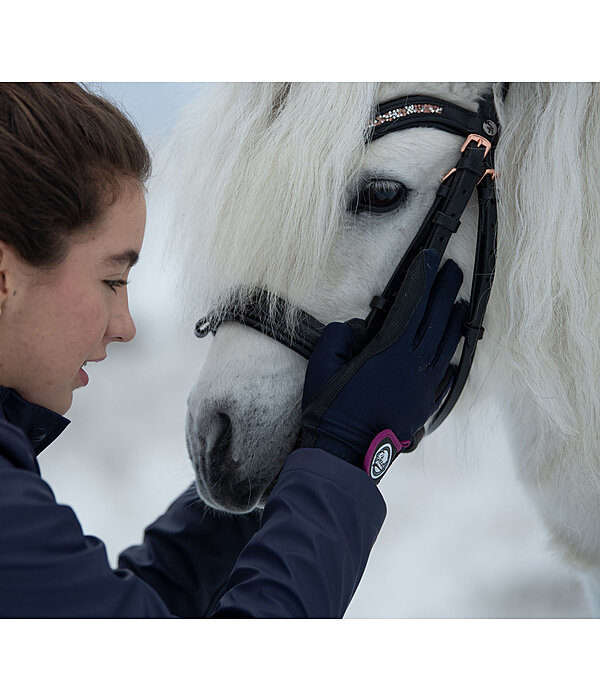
(126,327)
(121,327)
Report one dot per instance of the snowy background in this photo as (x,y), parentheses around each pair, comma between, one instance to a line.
(461,540)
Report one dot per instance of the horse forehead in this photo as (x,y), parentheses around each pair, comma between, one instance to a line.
(412,153)
(463,94)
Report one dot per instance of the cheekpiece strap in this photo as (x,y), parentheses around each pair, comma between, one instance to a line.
(476,162)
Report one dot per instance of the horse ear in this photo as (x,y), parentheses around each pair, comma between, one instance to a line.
(504,88)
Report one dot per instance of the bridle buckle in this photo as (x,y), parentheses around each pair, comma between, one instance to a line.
(491,172)
(447,175)
(480,141)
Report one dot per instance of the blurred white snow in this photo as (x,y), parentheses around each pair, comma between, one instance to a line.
(460,540)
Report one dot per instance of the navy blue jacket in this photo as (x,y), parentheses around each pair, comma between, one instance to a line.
(302,557)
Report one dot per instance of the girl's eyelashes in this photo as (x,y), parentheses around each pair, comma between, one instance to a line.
(115,284)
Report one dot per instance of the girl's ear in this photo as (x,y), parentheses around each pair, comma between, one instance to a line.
(7,272)
(3,282)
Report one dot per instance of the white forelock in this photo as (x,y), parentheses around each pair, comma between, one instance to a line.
(238,222)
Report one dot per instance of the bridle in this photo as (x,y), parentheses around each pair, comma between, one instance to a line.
(474,170)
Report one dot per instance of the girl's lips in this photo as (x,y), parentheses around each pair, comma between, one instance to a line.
(83,377)
(82,374)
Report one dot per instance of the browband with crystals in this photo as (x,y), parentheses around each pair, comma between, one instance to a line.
(418,110)
(400,112)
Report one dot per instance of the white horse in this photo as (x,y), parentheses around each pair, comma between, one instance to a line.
(262,176)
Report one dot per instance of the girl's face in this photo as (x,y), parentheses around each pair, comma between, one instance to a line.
(52,322)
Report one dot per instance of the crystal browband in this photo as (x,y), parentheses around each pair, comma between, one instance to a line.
(400,112)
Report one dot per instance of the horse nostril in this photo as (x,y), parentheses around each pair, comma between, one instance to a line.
(223,433)
(219,459)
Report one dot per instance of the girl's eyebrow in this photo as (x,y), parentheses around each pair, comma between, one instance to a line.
(127,257)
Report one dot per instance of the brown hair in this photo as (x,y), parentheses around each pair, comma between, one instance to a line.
(65,154)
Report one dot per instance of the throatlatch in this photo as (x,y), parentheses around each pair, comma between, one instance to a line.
(474,170)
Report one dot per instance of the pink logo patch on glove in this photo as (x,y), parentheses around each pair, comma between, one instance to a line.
(382,451)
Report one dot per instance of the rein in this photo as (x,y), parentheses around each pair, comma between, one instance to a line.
(474,170)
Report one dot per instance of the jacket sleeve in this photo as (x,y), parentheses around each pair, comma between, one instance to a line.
(318,527)
(49,568)
(188,553)
(317,530)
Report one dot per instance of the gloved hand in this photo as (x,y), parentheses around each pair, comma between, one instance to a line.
(365,403)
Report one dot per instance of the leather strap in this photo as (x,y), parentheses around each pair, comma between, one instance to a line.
(451,118)
(253,312)
(442,220)
(481,286)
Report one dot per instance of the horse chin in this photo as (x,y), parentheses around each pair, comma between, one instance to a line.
(227,483)
(238,449)
(237,493)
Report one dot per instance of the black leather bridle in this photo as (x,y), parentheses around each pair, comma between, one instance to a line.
(474,170)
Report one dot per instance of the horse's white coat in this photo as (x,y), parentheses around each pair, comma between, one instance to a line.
(262,174)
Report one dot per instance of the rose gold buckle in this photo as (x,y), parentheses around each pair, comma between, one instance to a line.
(492,173)
(479,140)
(447,175)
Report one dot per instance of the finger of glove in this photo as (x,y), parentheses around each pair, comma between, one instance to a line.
(332,351)
(451,338)
(444,387)
(439,308)
(359,328)
(410,303)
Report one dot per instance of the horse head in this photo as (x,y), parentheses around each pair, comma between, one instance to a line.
(278,190)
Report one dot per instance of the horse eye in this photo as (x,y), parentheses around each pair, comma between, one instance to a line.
(379,196)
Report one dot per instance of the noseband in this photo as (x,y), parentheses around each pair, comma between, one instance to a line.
(474,170)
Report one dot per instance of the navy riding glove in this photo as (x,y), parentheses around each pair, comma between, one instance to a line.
(364,403)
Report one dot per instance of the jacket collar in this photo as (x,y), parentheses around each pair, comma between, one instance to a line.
(40,425)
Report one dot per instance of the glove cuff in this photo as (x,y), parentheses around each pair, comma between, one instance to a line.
(383,450)
(320,439)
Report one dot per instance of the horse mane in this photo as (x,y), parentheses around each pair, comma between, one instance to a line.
(245,226)
(547,281)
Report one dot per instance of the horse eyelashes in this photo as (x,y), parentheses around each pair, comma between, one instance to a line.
(377,196)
